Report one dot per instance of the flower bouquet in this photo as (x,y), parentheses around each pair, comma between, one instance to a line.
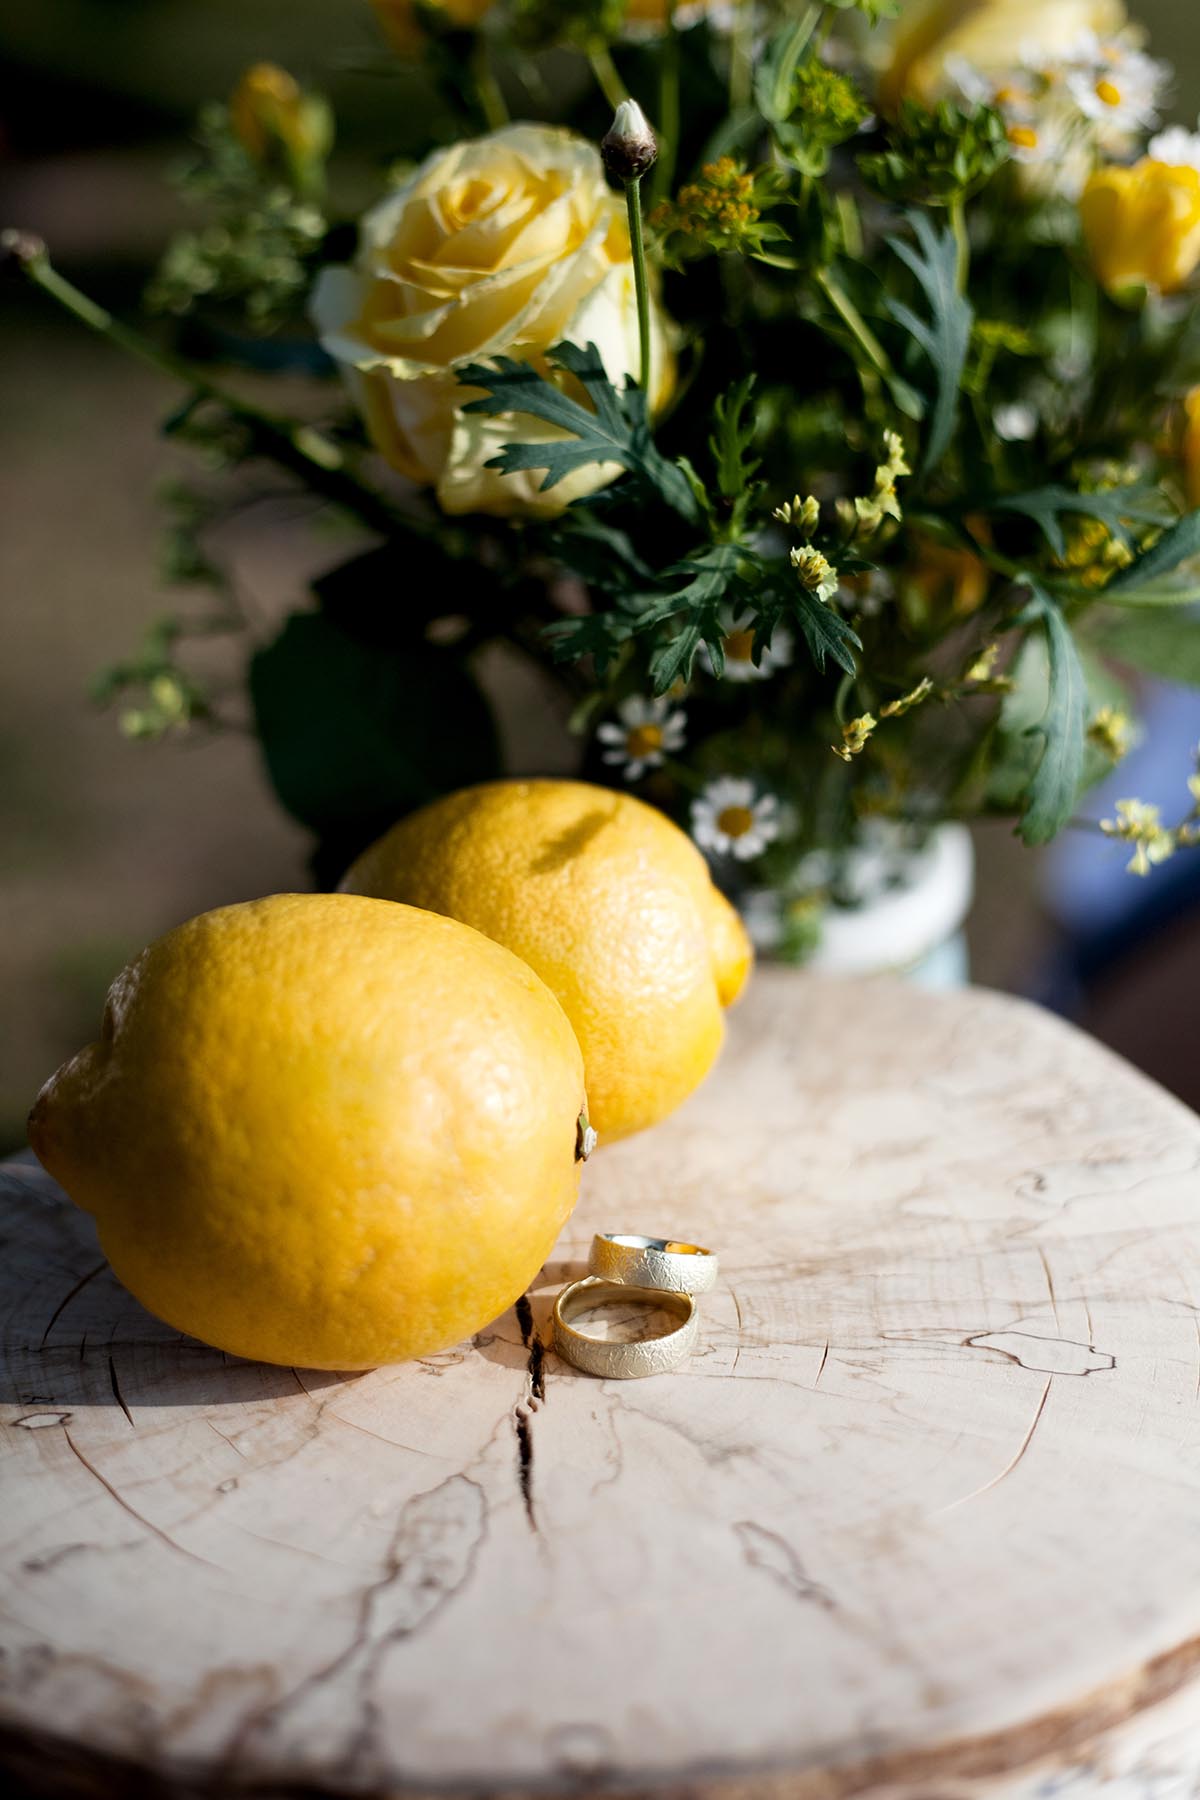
(809,391)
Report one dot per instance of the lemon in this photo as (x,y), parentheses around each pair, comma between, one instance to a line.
(608,901)
(322,1130)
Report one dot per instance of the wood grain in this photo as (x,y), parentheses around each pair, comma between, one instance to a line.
(922,1509)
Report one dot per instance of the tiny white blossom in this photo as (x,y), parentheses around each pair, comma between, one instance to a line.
(1177,148)
(738,644)
(648,731)
(1015,421)
(731,818)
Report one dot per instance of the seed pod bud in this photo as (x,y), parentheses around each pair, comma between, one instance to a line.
(629,147)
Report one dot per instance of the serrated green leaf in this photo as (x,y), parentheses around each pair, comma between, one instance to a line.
(1052,792)
(617,431)
(946,335)
(826,633)
(1178,544)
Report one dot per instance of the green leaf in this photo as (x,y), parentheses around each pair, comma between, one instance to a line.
(598,635)
(1166,644)
(946,335)
(616,430)
(1178,544)
(1114,507)
(712,579)
(826,633)
(1051,794)
(355,737)
(781,58)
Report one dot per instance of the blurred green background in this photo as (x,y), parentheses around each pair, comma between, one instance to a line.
(105,843)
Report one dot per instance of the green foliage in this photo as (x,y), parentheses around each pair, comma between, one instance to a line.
(937,154)
(1050,796)
(721,214)
(1141,583)
(616,429)
(1117,508)
(539,23)
(946,334)
(258,245)
(810,107)
(353,739)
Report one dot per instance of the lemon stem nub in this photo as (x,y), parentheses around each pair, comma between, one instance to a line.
(585,1137)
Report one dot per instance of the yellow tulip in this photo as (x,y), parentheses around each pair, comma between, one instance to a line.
(1191,446)
(1142,225)
(400,19)
(989,34)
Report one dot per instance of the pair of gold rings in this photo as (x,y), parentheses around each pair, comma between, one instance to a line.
(649,1271)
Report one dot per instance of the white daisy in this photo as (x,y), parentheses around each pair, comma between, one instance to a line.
(1177,148)
(731,818)
(738,645)
(1117,88)
(649,730)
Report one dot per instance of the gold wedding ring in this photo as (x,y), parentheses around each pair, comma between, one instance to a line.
(664,1263)
(609,1358)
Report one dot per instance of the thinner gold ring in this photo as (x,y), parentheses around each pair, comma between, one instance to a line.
(608,1358)
(666,1263)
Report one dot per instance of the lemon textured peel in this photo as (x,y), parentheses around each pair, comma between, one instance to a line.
(608,901)
(321,1130)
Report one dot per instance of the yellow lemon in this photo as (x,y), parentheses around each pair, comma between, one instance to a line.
(322,1130)
(608,901)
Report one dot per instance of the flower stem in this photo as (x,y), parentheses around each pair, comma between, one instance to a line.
(668,108)
(854,322)
(637,242)
(962,243)
(605,70)
(741,57)
(308,453)
(487,88)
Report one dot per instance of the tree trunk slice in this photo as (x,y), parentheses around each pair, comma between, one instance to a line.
(923,1509)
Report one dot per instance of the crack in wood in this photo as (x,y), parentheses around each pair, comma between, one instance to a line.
(116,1391)
(63,1304)
(164,1537)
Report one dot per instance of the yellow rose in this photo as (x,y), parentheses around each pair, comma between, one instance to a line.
(505,245)
(989,34)
(1142,224)
(1191,446)
(402,25)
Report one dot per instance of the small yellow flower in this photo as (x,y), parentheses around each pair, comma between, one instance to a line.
(895,709)
(816,572)
(270,112)
(1142,225)
(854,736)
(802,515)
(1111,731)
(1140,824)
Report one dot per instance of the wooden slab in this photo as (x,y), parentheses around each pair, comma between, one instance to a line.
(925,1506)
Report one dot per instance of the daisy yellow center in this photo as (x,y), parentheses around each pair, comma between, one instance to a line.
(643,740)
(739,645)
(1023,136)
(735,821)
(1109,92)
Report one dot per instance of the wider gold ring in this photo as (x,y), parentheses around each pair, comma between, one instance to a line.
(617,1361)
(652,1262)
